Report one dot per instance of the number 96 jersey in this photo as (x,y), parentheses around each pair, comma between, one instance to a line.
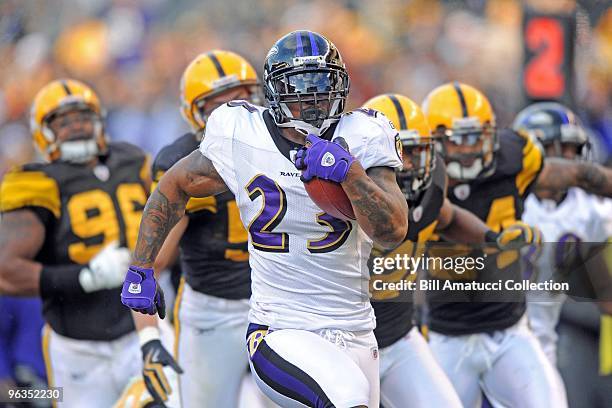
(83,209)
(309,269)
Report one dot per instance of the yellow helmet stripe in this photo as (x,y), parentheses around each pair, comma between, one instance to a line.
(400,112)
(66,87)
(464,108)
(217,64)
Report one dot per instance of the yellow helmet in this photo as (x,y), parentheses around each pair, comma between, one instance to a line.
(208,75)
(58,97)
(416,140)
(463,118)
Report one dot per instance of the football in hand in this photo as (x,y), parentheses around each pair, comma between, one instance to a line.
(330,197)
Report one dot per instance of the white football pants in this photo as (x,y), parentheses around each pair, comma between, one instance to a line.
(509,366)
(299,368)
(411,377)
(544,310)
(209,348)
(93,373)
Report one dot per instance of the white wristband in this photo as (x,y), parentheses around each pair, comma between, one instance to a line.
(147,334)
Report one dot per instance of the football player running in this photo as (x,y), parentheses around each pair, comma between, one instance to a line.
(211,309)
(404,352)
(310,341)
(483,343)
(66,228)
(489,172)
(563,216)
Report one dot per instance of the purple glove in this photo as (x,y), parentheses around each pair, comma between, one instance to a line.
(142,293)
(323,159)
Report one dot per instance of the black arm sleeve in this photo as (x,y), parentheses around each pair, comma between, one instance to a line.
(57,280)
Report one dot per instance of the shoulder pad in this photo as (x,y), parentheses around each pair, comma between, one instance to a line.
(29,186)
(126,149)
(366,123)
(519,157)
(172,153)
(249,107)
(532,164)
(231,113)
(509,153)
(371,138)
(370,115)
(129,153)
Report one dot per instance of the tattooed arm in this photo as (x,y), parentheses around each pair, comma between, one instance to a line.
(22,234)
(380,206)
(559,174)
(193,176)
(169,252)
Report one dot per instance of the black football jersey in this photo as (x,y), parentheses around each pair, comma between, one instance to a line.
(213,250)
(83,209)
(498,200)
(394,310)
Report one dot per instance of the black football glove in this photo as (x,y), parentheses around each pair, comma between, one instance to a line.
(155,358)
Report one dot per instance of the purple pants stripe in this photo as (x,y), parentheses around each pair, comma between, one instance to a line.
(287,379)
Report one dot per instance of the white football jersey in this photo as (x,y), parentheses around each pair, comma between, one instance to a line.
(604,206)
(580,215)
(309,270)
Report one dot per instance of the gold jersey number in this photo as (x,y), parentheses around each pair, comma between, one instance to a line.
(92,213)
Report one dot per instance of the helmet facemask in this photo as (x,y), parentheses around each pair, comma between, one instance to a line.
(79,148)
(468,149)
(316,91)
(560,136)
(419,153)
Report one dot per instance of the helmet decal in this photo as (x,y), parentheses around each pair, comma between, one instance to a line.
(216,63)
(461,97)
(400,112)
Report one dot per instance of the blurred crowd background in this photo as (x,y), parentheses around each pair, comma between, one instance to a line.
(134,51)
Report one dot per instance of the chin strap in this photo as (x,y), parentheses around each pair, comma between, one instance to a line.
(306,128)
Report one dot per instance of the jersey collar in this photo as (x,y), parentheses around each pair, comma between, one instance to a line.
(284,145)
